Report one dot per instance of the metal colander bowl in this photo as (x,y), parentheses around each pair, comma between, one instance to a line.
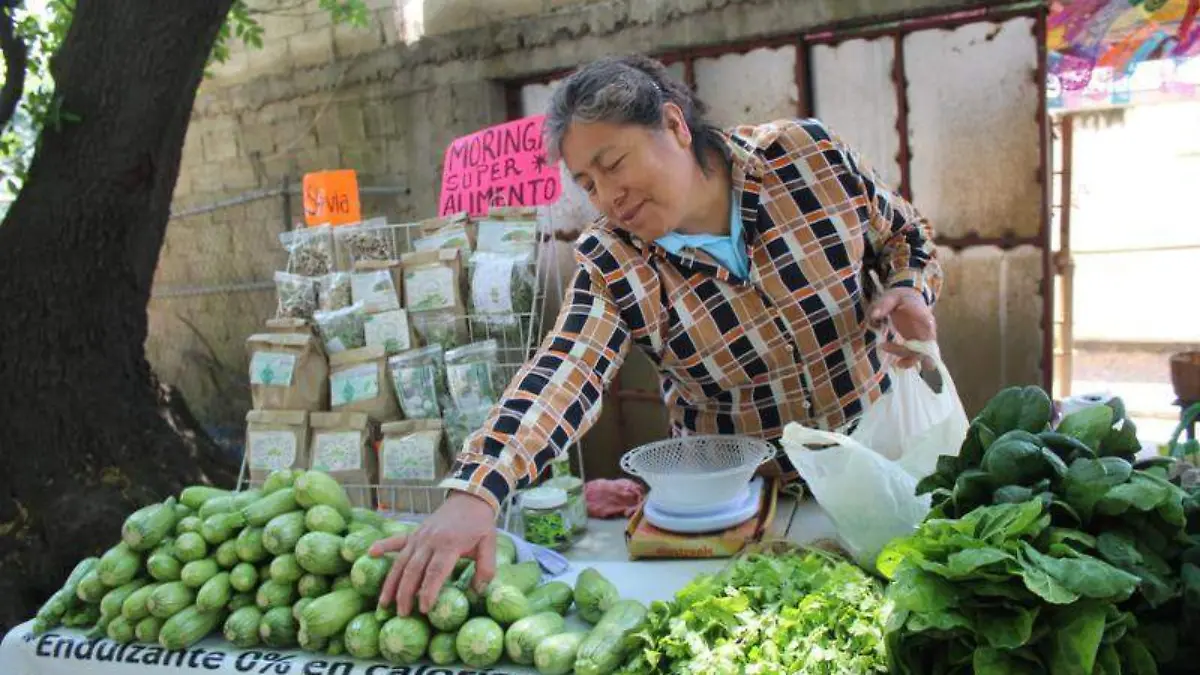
(693,474)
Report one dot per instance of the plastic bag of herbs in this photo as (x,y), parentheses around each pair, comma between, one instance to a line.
(310,250)
(1049,549)
(502,289)
(473,375)
(419,377)
(342,329)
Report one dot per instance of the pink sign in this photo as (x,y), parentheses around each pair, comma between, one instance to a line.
(504,165)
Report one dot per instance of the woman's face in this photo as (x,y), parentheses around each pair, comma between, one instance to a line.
(639,177)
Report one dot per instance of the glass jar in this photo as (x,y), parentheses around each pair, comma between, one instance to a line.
(545,517)
(560,466)
(576,504)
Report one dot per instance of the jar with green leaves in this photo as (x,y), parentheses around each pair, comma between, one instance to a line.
(576,509)
(545,518)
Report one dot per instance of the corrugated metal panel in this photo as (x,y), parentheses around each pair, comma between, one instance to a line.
(758,86)
(973,107)
(853,94)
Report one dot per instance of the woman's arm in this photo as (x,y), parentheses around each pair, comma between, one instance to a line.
(900,239)
(552,400)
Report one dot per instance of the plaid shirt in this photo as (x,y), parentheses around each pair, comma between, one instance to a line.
(790,344)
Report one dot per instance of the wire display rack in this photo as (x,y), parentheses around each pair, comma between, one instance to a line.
(515,345)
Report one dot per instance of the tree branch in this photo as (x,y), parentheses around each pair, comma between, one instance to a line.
(16,55)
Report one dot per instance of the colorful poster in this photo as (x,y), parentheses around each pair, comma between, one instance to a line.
(504,165)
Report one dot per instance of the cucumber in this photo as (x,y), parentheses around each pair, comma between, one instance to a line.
(62,601)
(606,646)
(323,518)
(240,600)
(147,526)
(368,574)
(147,629)
(169,599)
(278,480)
(314,585)
(91,589)
(275,504)
(113,602)
(188,627)
(362,636)
(212,507)
(188,524)
(272,594)
(215,594)
(328,615)
(164,567)
(241,628)
(243,578)
(227,556)
(282,532)
(134,608)
(356,544)
(320,553)
(523,576)
(243,499)
(314,487)
(278,628)
(218,528)
(119,565)
(120,630)
(285,569)
(190,547)
(194,497)
(250,545)
(197,573)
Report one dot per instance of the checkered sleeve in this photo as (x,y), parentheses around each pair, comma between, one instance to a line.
(900,239)
(553,399)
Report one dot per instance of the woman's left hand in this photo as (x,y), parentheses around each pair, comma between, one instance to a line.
(910,317)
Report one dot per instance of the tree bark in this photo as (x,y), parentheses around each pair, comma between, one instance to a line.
(86,433)
(16,60)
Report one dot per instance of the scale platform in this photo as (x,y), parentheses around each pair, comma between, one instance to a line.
(707,519)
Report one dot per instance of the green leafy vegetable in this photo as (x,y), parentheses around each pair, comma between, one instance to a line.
(800,613)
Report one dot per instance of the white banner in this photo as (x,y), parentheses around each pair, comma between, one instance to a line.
(68,652)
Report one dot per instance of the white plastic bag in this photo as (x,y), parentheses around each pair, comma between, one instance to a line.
(866,482)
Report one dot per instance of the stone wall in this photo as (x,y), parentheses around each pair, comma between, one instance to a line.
(319,96)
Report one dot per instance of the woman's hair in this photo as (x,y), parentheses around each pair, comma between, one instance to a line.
(629,90)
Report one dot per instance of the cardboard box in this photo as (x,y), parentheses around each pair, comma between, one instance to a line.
(276,439)
(342,446)
(645,541)
(412,463)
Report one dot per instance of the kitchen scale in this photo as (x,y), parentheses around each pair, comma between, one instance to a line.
(700,484)
(718,517)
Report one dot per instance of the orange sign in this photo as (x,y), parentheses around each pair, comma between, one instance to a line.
(331,197)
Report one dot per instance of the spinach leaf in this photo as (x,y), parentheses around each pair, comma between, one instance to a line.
(988,661)
(1027,408)
(1083,575)
(1073,647)
(1068,448)
(919,591)
(1136,659)
(1089,425)
(963,563)
(1006,628)
(1088,481)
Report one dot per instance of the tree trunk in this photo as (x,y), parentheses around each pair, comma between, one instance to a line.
(86,432)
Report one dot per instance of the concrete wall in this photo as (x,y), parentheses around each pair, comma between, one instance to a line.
(321,96)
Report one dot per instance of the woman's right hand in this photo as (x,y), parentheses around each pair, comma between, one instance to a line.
(464,526)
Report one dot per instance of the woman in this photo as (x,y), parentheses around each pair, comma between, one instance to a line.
(737,262)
